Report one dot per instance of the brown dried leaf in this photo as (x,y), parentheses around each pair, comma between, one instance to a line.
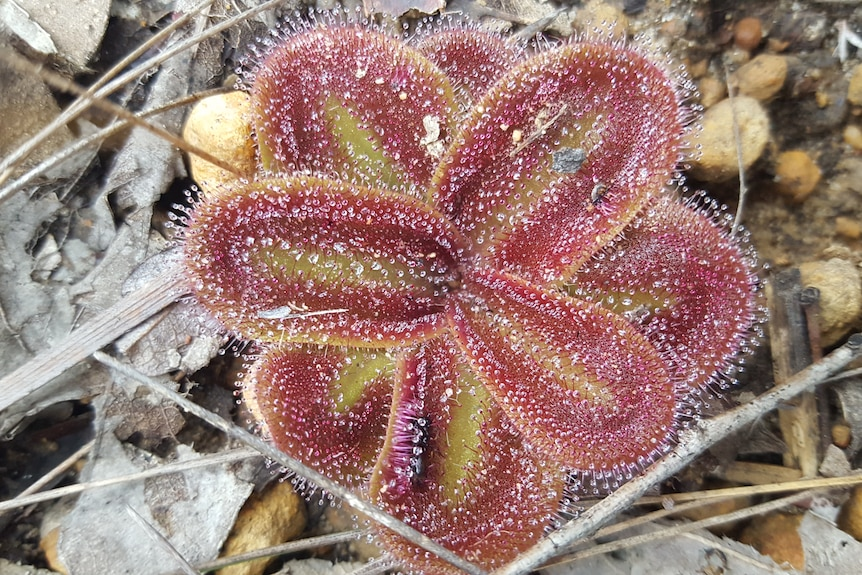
(398,7)
(97,534)
(143,418)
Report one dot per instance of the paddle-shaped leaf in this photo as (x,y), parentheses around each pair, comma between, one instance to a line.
(579,382)
(326,407)
(350,102)
(455,468)
(684,282)
(559,156)
(318,261)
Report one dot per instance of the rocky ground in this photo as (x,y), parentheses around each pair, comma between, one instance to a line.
(81,235)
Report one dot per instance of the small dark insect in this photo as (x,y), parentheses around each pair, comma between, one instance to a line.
(421,429)
(599,191)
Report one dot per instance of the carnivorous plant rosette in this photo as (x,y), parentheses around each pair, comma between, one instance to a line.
(464,273)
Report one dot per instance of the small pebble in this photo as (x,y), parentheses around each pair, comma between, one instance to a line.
(841,435)
(716,158)
(697,69)
(840,296)
(747,33)
(834,463)
(712,91)
(796,175)
(604,20)
(853,136)
(848,227)
(777,535)
(220,125)
(850,517)
(276,516)
(734,57)
(854,90)
(674,28)
(763,77)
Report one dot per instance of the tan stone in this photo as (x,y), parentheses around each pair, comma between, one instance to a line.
(841,435)
(850,518)
(747,33)
(840,296)
(796,175)
(276,516)
(854,90)
(221,125)
(762,77)
(850,228)
(853,136)
(715,156)
(777,535)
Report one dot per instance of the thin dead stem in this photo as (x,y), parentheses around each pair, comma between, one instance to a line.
(737,138)
(672,531)
(53,79)
(203,461)
(282,549)
(713,495)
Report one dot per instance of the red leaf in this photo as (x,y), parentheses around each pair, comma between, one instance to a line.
(579,382)
(682,281)
(472,58)
(326,407)
(455,468)
(559,156)
(317,261)
(346,101)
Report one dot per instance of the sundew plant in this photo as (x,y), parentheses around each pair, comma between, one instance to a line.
(467,273)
